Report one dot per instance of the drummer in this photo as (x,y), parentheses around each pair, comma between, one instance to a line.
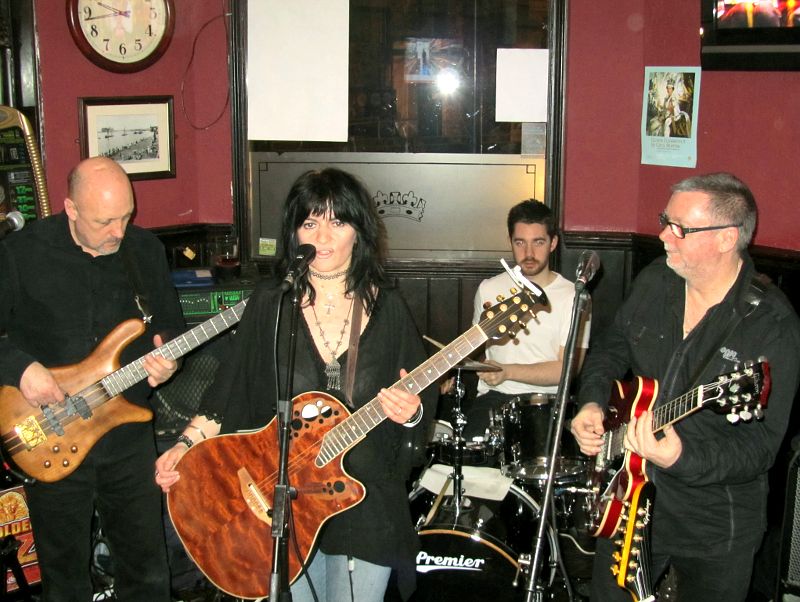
(531,362)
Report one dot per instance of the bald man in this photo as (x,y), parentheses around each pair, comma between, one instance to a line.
(65,282)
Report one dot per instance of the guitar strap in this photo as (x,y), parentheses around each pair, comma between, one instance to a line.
(352,351)
(754,295)
(136,282)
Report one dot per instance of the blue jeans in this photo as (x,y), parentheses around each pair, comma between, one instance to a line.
(334,582)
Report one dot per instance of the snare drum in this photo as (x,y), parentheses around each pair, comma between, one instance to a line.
(526,427)
(474,556)
(474,453)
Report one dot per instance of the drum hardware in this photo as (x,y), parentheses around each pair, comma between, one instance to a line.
(523,564)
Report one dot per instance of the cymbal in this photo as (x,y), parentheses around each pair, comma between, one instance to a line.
(473,366)
(466,364)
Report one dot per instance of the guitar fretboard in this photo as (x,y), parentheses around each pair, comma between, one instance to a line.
(347,433)
(124,378)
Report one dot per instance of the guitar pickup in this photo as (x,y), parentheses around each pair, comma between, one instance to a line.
(30,432)
(52,420)
(77,405)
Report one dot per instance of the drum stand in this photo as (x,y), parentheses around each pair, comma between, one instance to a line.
(459,421)
(456,477)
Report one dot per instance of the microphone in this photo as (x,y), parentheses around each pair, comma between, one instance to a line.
(304,255)
(588,265)
(14,221)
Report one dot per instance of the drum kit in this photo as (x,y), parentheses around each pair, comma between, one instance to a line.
(477,506)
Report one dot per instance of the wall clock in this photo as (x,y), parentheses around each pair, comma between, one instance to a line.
(121,35)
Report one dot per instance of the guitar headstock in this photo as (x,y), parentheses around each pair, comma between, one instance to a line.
(510,315)
(741,394)
(631,566)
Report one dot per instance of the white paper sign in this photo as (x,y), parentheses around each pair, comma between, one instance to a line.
(522,76)
(297,69)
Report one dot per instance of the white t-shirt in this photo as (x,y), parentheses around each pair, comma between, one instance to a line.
(542,337)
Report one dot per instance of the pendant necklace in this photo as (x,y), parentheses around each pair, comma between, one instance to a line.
(333,369)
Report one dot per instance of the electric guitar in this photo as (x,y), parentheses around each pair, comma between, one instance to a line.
(49,443)
(632,560)
(222,505)
(617,472)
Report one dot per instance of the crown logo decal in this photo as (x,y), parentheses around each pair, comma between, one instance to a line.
(397,204)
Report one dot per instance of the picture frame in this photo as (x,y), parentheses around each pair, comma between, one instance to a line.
(135,131)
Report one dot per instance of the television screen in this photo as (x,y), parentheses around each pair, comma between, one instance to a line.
(754,35)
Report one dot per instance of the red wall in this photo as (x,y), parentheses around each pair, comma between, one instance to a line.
(747,121)
(201,190)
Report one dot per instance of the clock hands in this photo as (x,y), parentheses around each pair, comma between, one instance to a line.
(115,12)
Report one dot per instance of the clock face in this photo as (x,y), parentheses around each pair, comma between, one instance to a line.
(121,35)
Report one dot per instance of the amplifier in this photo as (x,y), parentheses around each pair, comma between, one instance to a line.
(201,304)
(202,296)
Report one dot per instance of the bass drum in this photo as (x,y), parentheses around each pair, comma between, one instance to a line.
(475,557)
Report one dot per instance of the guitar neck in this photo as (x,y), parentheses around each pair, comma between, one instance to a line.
(664,415)
(350,431)
(124,378)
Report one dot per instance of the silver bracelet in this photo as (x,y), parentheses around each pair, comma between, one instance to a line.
(414,420)
(198,429)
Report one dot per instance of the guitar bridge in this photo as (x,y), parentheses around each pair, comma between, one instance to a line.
(253,496)
(30,433)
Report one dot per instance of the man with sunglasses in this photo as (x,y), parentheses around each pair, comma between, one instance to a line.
(699,312)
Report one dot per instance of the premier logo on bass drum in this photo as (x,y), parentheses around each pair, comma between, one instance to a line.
(426,563)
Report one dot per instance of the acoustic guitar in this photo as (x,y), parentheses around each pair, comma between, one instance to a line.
(740,395)
(221,506)
(49,443)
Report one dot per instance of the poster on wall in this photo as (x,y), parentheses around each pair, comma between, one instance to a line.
(669,116)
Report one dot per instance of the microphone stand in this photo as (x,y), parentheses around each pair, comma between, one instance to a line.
(283,493)
(533,589)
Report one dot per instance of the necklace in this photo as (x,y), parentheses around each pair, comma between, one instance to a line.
(334,276)
(333,369)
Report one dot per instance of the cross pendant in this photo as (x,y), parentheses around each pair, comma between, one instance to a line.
(329,306)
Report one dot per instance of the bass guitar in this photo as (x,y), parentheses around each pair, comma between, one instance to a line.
(221,506)
(49,443)
(617,472)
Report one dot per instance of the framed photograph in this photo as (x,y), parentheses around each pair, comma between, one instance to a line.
(135,131)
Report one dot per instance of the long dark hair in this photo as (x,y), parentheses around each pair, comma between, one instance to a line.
(336,192)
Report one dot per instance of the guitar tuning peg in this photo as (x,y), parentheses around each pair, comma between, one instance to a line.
(514,290)
(758,412)
(499,298)
(746,415)
(733,418)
